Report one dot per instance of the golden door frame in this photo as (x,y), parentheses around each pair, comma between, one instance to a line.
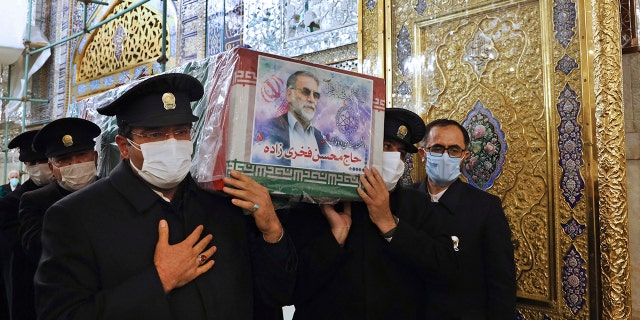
(547,75)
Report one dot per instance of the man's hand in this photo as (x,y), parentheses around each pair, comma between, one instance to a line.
(340,222)
(180,263)
(376,197)
(253,197)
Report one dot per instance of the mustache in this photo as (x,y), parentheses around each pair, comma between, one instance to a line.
(310,105)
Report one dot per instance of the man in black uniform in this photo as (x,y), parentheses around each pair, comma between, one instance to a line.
(140,243)
(371,259)
(68,143)
(14,264)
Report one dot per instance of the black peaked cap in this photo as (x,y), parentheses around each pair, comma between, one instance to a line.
(404,126)
(24,141)
(157,101)
(66,135)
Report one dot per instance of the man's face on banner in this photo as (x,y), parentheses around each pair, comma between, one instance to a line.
(303,99)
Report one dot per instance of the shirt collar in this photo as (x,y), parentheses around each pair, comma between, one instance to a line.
(292,122)
(436,197)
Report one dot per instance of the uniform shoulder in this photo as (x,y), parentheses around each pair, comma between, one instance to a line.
(40,191)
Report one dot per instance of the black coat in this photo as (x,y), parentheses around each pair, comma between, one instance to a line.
(5,189)
(99,244)
(9,206)
(33,206)
(369,277)
(17,270)
(486,285)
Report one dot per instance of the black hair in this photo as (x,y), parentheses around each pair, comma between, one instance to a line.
(446,123)
(291,81)
(124,129)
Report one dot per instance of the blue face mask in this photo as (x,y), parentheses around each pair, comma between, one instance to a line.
(442,169)
(14,182)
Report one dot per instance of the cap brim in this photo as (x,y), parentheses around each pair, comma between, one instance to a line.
(71,150)
(164,121)
(408,147)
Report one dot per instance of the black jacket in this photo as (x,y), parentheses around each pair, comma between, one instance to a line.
(16,268)
(369,277)
(33,206)
(486,285)
(99,244)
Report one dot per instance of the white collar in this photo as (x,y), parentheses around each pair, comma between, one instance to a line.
(436,197)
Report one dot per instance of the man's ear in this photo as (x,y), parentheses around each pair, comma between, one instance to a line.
(122,144)
(289,94)
(465,155)
(422,154)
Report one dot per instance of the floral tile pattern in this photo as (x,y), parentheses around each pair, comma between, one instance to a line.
(574,280)
(488,147)
(371,4)
(570,146)
(420,7)
(215,27)
(233,19)
(404,49)
(566,64)
(405,179)
(573,228)
(404,88)
(564,21)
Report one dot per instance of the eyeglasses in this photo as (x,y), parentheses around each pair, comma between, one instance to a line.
(306,92)
(159,135)
(438,150)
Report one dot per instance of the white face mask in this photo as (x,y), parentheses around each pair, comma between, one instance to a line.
(40,174)
(77,176)
(392,169)
(166,163)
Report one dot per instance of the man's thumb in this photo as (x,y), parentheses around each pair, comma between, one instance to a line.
(163,232)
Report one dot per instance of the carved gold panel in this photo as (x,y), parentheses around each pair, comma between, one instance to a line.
(504,74)
(129,44)
(544,77)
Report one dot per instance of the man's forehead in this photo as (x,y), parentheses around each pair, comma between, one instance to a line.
(306,79)
(450,134)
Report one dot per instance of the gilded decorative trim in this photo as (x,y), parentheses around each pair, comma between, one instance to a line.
(610,153)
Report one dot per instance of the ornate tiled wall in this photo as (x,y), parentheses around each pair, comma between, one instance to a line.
(544,130)
(196,29)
